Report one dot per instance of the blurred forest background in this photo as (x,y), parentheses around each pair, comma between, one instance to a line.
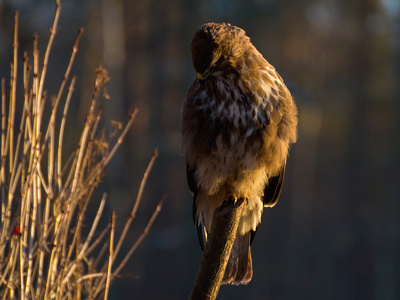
(335,233)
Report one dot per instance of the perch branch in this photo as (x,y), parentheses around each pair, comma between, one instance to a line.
(217,251)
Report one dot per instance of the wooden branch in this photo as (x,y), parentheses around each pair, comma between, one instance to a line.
(218,249)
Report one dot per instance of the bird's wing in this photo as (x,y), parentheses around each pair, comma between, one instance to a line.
(192,186)
(191,179)
(192,183)
(272,192)
(273,189)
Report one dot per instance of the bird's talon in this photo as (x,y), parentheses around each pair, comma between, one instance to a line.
(230,198)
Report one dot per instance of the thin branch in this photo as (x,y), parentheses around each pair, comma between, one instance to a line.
(13,93)
(110,257)
(53,32)
(88,239)
(80,217)
(8,144)
(3,120)
(90,276)
(100,285)
(137,202)
(132,117)
(101,252)
(97,241)
(61,133)
(65,78)
(140,239)
(3,160)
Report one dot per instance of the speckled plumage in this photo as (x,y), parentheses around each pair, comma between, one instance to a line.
(238,120)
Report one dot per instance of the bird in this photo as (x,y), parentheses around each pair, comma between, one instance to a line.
(238,120)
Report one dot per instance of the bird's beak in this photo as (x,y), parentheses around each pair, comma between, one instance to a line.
(200,76)
(203,76)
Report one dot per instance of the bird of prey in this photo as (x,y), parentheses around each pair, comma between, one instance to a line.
(237,122)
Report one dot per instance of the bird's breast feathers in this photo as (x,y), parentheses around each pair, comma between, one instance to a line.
(234,126)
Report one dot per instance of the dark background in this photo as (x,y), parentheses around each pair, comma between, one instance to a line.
(335,233)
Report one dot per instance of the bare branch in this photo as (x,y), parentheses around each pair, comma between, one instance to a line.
(110,257)
(217,251)
(142,236)
(137,202)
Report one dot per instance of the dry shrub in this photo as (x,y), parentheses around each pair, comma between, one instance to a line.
(43,251)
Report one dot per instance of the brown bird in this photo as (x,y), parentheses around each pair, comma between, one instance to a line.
(238,120)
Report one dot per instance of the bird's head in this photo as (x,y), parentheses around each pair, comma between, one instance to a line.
(218,47)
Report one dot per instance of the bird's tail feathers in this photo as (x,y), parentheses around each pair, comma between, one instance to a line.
(239,269)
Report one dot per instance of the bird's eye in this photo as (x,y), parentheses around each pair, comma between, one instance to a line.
(214,66)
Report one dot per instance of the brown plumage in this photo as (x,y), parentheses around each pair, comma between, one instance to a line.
(238,120)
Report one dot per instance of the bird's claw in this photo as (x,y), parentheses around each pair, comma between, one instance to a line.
(230,198)
(230,202)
